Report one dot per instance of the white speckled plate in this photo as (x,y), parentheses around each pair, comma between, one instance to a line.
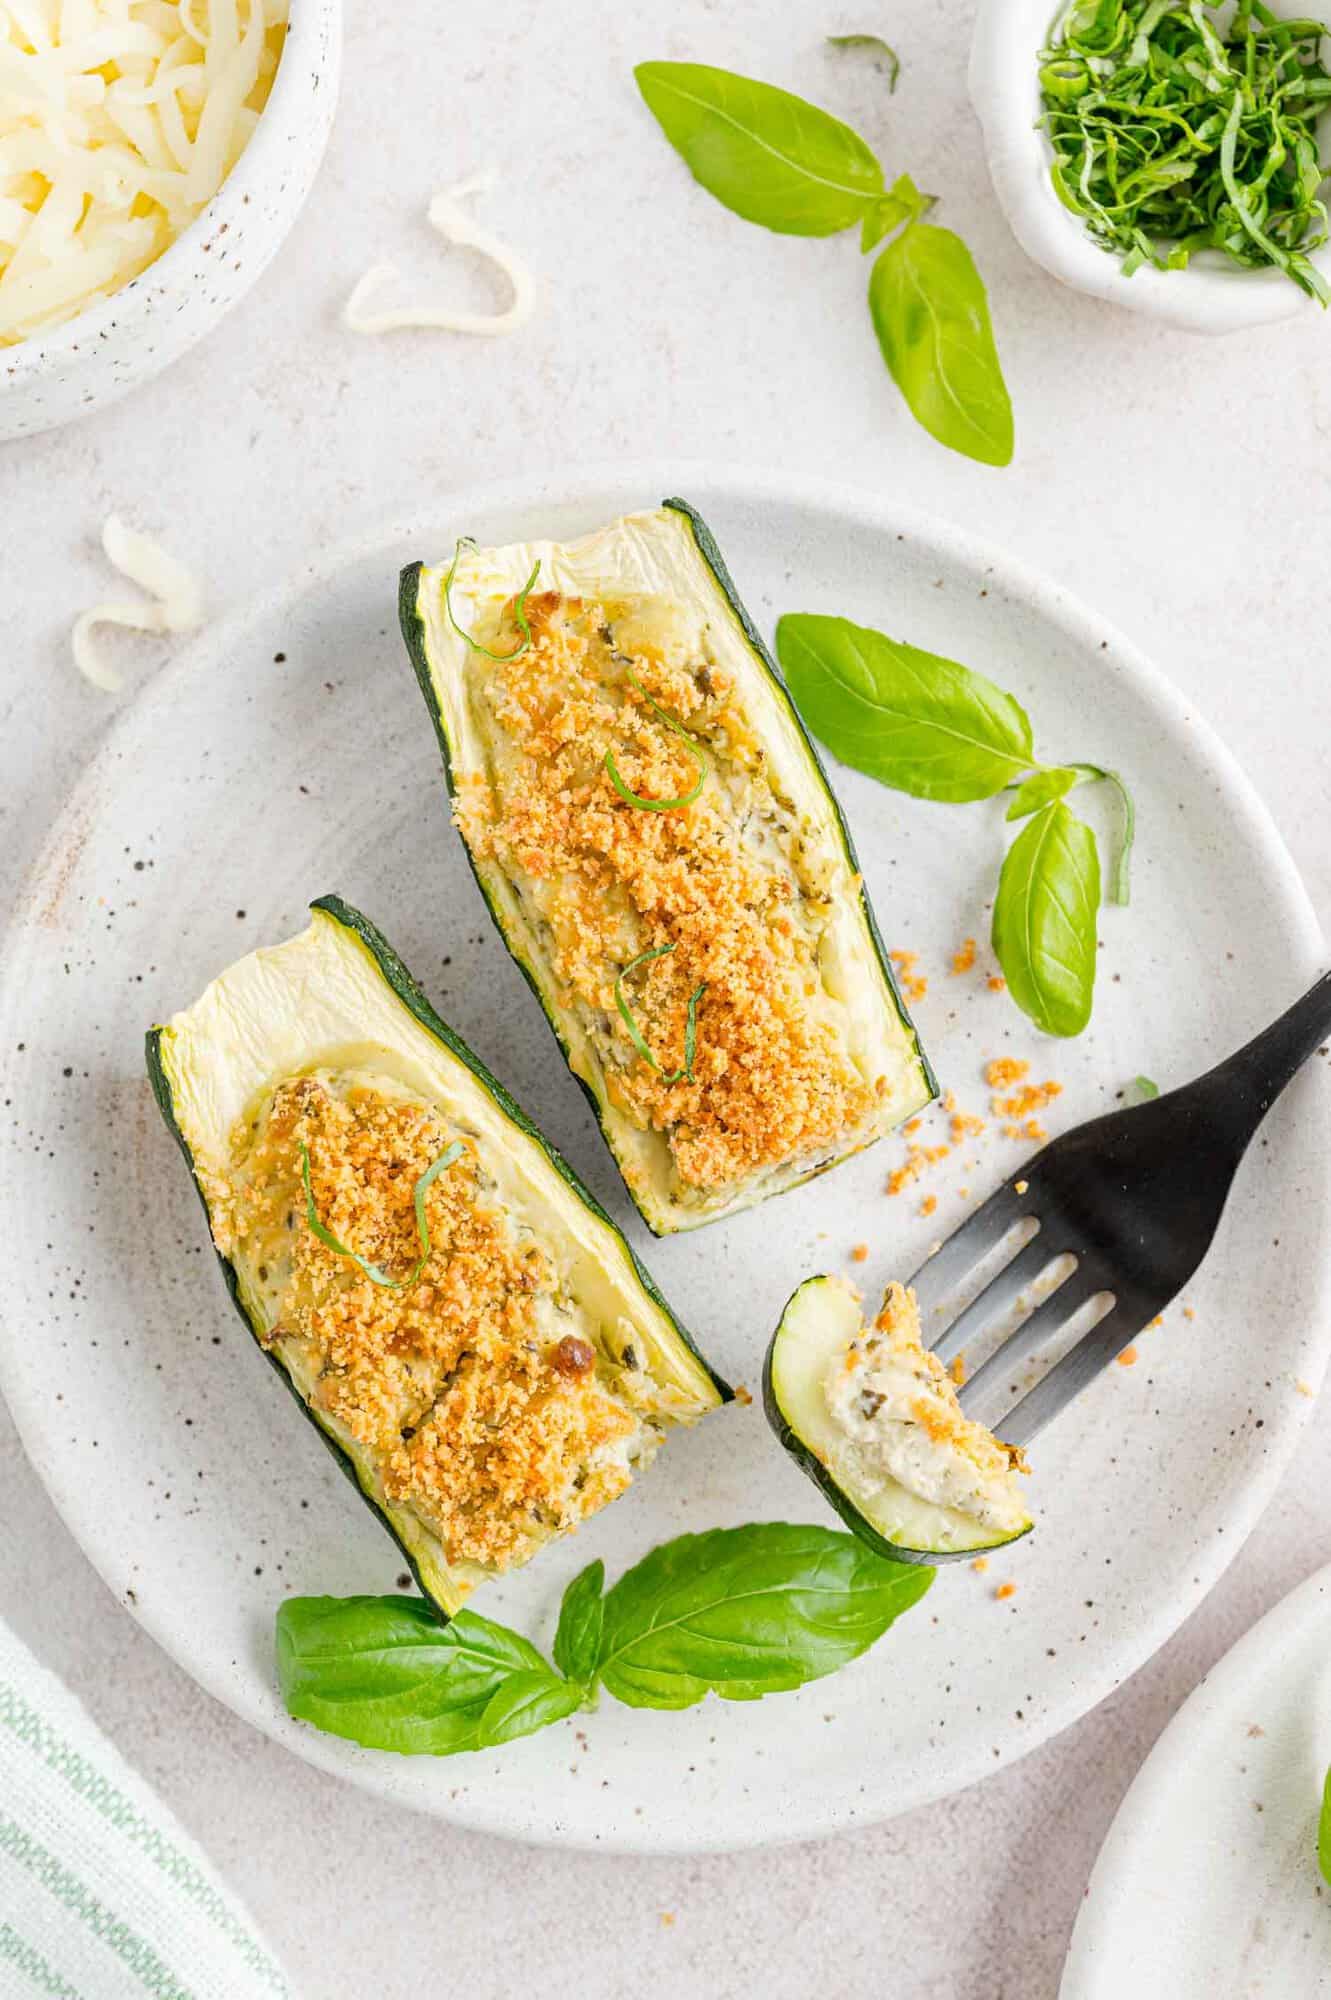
(288,753)
(1208,1883)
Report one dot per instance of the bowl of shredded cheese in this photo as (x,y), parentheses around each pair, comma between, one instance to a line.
(153,155)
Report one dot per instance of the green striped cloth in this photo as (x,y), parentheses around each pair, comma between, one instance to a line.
(102,1895)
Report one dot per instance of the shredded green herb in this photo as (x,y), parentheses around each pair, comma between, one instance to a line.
(1148,1086)
(519,607)
(422,1188)
(695,751)
(1172,134)
(636,1036)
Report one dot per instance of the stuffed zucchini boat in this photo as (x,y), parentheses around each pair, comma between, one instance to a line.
(873,1418)
(660,849)
(464,1325)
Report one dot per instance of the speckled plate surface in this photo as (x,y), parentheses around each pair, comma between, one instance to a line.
(1230,1795)
(288,753)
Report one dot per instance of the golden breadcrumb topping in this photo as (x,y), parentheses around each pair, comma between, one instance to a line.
(726,883)
(471,1389)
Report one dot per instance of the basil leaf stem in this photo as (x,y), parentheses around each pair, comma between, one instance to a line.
(696,751)
(1120,880)
(1324,1832)
(636,1035)
(424,1184)
(519,607)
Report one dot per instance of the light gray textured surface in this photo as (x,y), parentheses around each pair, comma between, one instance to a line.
(1165,479)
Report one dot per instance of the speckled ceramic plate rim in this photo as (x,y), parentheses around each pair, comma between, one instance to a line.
(604,491)
(1297,1621)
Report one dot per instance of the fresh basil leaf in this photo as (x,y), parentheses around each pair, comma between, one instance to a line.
(903,202)
(1044,919)
(913,720)
(383,1671)
(1147,1086)
(1120,885)
(525,1703)
(1324,1832)
(770,157)
(877,47)
(578,1640)
(1040,787)
(745,1612)
(931,314)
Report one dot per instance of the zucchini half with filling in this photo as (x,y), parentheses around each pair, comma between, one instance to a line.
(873,1418)
(463,1323)
(658,844)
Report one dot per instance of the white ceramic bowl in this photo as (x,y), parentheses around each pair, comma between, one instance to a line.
(1211,296)
(128,338)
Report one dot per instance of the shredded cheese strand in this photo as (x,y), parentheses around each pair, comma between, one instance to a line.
(456,226)
(119,121)
(173,602)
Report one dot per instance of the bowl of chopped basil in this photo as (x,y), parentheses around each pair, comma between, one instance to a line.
(1168,155)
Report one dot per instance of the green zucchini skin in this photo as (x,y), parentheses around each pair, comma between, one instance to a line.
(715,562)
(812,1466)
(409,992)
(814,1469)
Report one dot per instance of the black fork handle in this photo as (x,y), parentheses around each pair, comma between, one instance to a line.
(1254,1077)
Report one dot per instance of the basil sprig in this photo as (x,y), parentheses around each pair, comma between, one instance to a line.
(784,163)
(519,607)
(636,1036)
(738,1612)
(934,728)
(325,1235)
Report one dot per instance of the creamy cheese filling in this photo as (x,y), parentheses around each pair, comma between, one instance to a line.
(467,1375)
(731,893)
(895,1406)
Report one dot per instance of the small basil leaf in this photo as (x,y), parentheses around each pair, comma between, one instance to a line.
(1040,787)
(745,1612)
(914,720)
(384,1672)
(525,1703)
(903,202)
(877,47)
(770,157)
(931,314)
(1147,1086)
(578,1640)
(1044,919)
(1324,1832)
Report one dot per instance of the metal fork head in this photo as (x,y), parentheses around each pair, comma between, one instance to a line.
(1124,1209)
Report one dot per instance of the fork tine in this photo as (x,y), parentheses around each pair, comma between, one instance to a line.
(998,1297)
(985,1388)
(1068,1377)
(943,1274)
